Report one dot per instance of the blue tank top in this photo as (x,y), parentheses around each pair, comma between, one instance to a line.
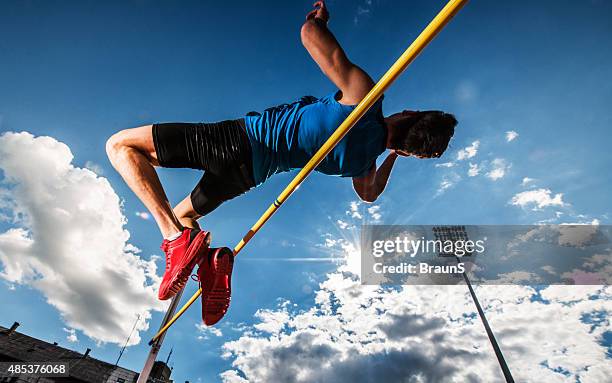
(285,137)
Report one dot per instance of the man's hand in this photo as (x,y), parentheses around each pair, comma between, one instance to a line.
(323,47)
(320,12)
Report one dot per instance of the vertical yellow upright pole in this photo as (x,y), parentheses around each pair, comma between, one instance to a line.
(428,34)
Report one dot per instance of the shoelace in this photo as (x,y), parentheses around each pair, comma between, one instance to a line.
(196,278)
(164,247)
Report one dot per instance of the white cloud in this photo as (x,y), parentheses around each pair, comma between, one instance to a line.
(329,241)
(374,212)
(538,198)
(68,241)
(499,166)
(474,170)
(448,181)
(143,215)
(445,184)
(526,181)
(94,167)
(205,332)
(516,277)
(342,224)
(424,334)
(563,235)
(445,165)
(272,321)
(354,210)
(511,135)
(469,151)
(71,337)
(579,235)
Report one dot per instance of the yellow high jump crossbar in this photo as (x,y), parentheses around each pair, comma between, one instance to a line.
(428,34)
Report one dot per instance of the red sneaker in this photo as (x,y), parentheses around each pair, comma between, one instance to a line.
(182,254)
(215,274)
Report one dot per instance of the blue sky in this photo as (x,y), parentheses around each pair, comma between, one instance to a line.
(78,71)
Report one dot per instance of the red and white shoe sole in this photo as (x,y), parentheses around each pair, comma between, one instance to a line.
(217,288)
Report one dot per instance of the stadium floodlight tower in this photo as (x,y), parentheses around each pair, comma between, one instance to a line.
(459,233)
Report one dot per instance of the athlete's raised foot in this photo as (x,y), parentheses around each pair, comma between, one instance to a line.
(182,254)
(215,275)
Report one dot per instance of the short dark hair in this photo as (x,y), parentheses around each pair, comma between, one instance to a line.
(425,133)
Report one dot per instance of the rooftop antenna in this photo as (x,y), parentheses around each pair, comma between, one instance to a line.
(459,233)
(127,340)
(169,354)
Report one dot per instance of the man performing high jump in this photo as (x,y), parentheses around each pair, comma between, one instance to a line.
(240,154)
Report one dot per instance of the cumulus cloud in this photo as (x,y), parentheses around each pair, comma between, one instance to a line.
(94,167)
(474,170)
(567,235)
(68,241)
(527,181)
(357,210)
(468,151)
(511,135)
(71,337)
(272,321)
(206,332)
(499,166)
(537,199)
(516,278)
(363,333)
(445,165)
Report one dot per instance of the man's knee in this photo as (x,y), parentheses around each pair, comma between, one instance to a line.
(138,139)
(115,144)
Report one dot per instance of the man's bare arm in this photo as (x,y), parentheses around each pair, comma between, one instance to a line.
(353,82)
(371,186)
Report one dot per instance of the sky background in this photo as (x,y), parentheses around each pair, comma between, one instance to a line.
(528,82)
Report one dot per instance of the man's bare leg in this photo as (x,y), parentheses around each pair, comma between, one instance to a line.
(186,214)
(132,154)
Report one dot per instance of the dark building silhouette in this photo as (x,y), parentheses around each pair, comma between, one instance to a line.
(18,347)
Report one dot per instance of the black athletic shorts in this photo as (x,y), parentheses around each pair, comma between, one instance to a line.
(221,149)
